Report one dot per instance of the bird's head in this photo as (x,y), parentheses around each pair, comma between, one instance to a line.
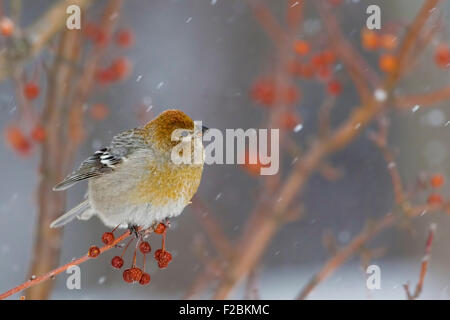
(159,130)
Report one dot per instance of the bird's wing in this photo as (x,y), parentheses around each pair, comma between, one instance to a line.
(105,160)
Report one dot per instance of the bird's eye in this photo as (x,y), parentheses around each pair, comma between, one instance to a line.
(184,134)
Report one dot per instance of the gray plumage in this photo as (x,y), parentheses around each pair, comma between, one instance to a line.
(104,160)
(78,211)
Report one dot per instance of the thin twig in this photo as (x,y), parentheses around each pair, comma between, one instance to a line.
(380,140)
(359,241)
(268,22)
(424,266)
(423,99)
(251,287)
(212,228)
(342,255)
(294,14)
(49,275)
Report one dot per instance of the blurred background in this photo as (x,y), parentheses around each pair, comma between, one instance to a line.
(217,60)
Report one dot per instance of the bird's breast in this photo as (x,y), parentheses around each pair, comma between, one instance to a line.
(165,182)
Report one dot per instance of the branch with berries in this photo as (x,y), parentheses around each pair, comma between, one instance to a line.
(134,274)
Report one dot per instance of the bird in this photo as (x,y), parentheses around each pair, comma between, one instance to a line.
(134,182)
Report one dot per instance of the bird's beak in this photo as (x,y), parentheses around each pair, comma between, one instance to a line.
(204,129)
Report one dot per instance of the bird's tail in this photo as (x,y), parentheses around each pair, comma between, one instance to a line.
(82,211)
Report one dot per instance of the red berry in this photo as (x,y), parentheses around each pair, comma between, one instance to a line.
(145,279)
(108,238)
(328,56)
(437,180)
(335,2)
(301,47)
(388,41)
(267,92)
(95,33)
(94,252)
(167,256)
(117,262)
(127,276)
(6,27)
(90,30)
(101,39)
(158,254)
(135,274)
(369,39)
(31,91)
(324,73)
(160,228)
(38,134)
(164,258)
(253,169)
(17,140)
(125,38)
(288,120)
(334,88)
(120,67)
(105,76)
(435,199)
(99,111)
(388,63)
(145,247)
(442,56)
(318,60)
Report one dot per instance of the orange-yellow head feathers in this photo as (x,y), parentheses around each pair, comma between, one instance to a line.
(159,130)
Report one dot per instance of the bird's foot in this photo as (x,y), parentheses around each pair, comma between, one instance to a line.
(167,222)
(135,230)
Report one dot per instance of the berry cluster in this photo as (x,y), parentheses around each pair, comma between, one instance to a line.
(315,65)
(22,142)
(306,63)
(123,38)
(436,181)
(267,92)
(118,70)
(17,138)
(372,41)
(120,67)
(135,274)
